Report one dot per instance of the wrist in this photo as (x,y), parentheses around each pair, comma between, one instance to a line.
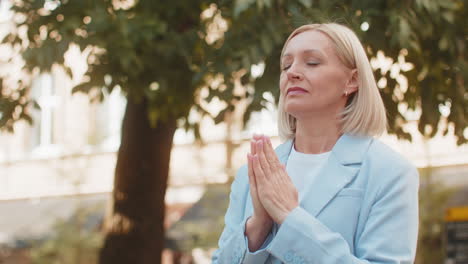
(261,221)
(283,216)
(256,230)
(258,227)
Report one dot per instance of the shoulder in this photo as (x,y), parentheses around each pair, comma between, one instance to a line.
(389,169)
(382,156)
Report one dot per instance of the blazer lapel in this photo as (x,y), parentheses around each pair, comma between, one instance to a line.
(340,169)
(332,178)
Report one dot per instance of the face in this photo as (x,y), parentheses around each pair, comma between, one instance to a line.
(313,80)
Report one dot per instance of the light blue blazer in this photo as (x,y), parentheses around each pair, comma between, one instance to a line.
(363,208)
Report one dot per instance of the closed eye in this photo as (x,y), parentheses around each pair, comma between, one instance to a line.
(313,63)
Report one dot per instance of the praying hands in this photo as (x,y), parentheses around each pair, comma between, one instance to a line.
(272,191)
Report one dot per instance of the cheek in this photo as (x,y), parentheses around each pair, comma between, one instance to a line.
(282,83)
(333,82)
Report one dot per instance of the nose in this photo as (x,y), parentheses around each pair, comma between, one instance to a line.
(294,73)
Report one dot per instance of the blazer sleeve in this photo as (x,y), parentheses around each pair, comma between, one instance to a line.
(389,236)
(233,244)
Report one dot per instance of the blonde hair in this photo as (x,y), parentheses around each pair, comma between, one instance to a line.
(364,113)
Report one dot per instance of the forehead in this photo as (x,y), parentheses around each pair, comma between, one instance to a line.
(309,40)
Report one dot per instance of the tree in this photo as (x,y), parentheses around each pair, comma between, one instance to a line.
(159,53)
(149,49)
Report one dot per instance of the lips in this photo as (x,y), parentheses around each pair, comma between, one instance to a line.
(296,90)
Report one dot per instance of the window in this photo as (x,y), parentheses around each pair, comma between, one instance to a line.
(42,133)
(107,121)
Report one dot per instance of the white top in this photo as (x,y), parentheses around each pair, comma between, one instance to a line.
(304,168)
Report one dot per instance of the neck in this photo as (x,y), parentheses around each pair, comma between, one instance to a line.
(317,134)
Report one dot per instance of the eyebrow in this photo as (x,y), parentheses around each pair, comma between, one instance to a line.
(306,52)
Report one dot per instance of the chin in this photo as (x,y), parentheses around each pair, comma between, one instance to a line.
(299,110)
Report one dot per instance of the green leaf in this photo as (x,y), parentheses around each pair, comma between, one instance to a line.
(449,17)
(443,43)
(242,5)
(306,3)
(268,3)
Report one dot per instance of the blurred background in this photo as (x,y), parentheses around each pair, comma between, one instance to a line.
(123,122)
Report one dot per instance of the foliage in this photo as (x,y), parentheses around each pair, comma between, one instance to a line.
(75,241)
(151,50)
(148,49)
(13,107)
(429,34)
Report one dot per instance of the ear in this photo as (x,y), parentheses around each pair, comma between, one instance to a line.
(352,85)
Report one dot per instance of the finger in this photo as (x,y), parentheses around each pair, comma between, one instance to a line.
(267,138)
(252,147)
(257,136)
(270,153)
(251,172)
(257,169)
(269,150)
(262,158)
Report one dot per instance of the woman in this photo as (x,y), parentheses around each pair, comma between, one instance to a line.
(331,193)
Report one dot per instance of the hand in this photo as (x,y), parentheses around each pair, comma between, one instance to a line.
(260,214)
(259,225)
(275,189)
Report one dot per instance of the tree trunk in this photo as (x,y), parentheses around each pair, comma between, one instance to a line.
(135,232)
